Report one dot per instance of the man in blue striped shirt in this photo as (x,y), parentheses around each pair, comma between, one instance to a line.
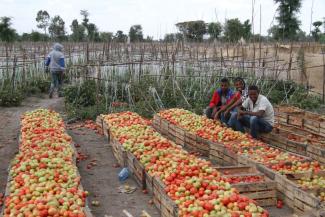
(55,62)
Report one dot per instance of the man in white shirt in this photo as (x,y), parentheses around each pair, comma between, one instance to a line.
(256,113)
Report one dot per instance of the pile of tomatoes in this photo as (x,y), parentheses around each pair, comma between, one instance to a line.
(43,177)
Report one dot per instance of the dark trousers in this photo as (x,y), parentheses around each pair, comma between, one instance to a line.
(56,82)
(255,124)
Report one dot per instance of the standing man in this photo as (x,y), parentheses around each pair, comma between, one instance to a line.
(55,62)
(256,113)
(220,98)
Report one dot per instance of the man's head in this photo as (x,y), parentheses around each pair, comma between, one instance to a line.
(224,84)
(58,47)
(253,93)
(239,84)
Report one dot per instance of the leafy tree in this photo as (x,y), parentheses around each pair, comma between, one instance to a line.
(316,32)
(106,36)
(274,32)
(288,23)
(120,36)
(135,33)
(233,30)
(192,30)
(247,27)
(171,37)
(149,39)
(301,36)
(36,36)
(85,19)
(57,28)
(78,31)
(214,30)
(93,33)
(43,20)
(7,33)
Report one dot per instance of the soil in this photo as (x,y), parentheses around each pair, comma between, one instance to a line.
(101,180)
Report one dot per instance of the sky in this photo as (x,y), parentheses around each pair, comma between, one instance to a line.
(157,17)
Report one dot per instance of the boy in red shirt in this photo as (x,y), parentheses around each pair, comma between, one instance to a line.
(220,98)
(235,101)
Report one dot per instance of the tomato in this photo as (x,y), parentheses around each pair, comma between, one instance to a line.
(279,204)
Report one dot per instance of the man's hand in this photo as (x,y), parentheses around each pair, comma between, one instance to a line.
(216,116)
(214,111)
(240,113)
(227,113)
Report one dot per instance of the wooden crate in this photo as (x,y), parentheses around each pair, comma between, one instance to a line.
(296,120)
(168,207)
(106,130)
(139,173)
(156,121)
(286,187)
(223,157)
(246,161)
(236,170)
(149,182)
(202,146)
(305,202)
(316,153)
(129,161)
(264,193)
(157,192)
(162,201)
(119,152)
(312,125)
(99,121)
(322,128)
(266,171)
(281,138)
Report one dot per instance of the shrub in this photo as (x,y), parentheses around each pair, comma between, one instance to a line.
(10,98)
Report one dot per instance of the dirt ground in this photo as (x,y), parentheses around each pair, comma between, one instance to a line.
(101,180)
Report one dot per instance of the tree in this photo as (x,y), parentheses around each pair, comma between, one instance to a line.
(233,30)
(149,39)
(57,28)
(78,31)
(214,30)
(288,23)
(85,19)
(120,36)
(171,37)
(36,36)
(135,33)
(93,33)
(43,20)
(106,36)
(7,33)
(247,28)
(316,32)
(274,32)
(192,30)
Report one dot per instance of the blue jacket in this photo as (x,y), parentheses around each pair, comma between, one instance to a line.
(55,59)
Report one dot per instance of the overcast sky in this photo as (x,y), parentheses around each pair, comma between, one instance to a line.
(157,17)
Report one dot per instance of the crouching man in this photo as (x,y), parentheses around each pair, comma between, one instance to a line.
(256,113)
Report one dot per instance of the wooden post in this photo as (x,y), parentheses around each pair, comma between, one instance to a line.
(323,53)
(290,63)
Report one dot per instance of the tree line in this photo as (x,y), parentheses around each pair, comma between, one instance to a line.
(53,28)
